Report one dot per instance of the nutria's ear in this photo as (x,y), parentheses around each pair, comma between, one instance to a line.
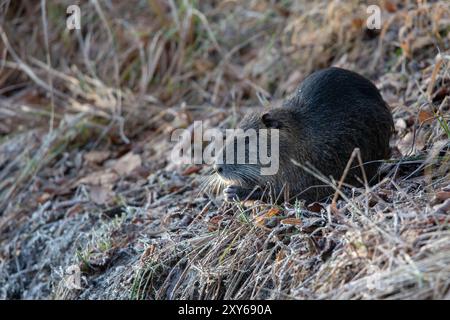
(270,122)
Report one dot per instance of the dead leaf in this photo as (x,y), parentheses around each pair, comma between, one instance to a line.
(425,117)
(292,221)
(214,222)
(96,157)
(190,170)
(272,212)
(126,164)
(100,194)
(440,196)
(357,23)
(269,214)
(44,197)
(100,178)
(390,7)
(315,207)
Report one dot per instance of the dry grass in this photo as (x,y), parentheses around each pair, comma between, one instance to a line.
(85,176)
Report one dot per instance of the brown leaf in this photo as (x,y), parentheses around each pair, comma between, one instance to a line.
(390,7)
(190,170)
(96,157)
(214,222)
(357,23)
(272,212)
(315,207)
(126,164)
(292,221)
(425,117)
(440,196)
(44,197)
(100,178)
(100,194)
(269,214)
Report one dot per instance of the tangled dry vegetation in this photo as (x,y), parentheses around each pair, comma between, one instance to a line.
(85,176)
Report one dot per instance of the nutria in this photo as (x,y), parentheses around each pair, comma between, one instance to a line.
(332,112)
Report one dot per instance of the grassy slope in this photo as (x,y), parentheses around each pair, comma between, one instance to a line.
(85,176)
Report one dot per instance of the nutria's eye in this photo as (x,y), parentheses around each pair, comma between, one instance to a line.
(270,122)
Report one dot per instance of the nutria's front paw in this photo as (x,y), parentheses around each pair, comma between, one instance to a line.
(231,193)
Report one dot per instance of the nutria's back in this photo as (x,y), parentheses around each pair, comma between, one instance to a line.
(332,112)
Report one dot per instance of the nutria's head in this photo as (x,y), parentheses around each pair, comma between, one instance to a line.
(332,113)
(279,122)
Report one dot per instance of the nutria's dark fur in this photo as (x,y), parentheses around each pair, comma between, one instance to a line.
(332,112)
